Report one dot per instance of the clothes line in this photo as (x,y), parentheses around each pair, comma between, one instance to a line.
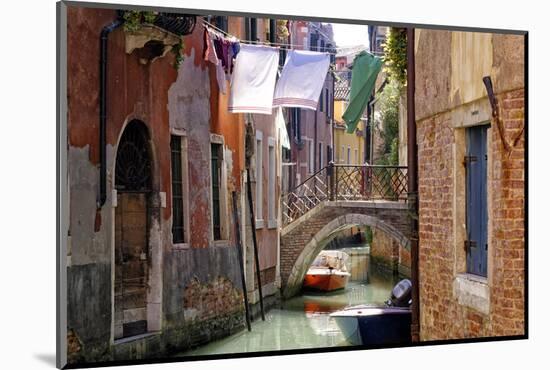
(267,43)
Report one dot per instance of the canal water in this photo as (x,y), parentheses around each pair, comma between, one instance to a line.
(303,321)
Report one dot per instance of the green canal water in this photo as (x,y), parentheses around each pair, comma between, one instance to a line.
(303,321)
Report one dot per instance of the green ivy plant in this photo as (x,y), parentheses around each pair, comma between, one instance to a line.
(388,124)
(395,55)
(177,50)
(133,19)
(282,31)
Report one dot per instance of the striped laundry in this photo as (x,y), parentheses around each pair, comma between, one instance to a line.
(253,79)
(302,79)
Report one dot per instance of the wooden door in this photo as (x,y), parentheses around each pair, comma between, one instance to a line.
(131,264)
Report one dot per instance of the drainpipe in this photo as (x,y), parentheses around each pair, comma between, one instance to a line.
(103,109)
(332,121)
(412,162)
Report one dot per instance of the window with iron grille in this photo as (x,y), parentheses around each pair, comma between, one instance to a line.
(216,165)
(178,228)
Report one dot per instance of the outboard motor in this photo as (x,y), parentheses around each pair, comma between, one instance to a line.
(401,294)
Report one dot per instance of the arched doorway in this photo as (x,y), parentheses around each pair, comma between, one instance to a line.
(132,257)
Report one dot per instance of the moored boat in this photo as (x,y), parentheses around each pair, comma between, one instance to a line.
(328,272)
(388,323)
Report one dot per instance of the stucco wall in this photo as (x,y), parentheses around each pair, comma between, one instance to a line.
(164,99)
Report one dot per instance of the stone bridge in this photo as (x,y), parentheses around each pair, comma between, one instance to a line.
(334,199)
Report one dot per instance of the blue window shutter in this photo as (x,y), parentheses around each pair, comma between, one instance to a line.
(476,200)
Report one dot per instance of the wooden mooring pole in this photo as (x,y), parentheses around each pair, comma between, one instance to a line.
(240,256)
(255,242)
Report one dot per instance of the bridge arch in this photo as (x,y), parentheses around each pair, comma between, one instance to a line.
(320,239)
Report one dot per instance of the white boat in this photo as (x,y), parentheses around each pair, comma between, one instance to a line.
(328,272)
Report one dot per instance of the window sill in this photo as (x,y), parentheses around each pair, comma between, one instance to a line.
(180,246)
(472,291)
(259,224)
(220,243)
(136,337)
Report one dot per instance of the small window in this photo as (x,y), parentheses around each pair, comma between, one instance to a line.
(178,227)
(296,123)
(221,23)
(349,155)
(321,102)
(271,204)
(311,157)
(320,151)
(251,28)
(313,41)
(259,179)
(327,96)
(217,156)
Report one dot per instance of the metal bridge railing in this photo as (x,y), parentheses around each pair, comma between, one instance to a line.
(345,182)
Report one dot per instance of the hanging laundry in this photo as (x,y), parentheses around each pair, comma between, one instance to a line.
(235,48)
(280,124)
(254,79)
(302,79)
(210,55)
(363,77)
(209,51)
(218,42)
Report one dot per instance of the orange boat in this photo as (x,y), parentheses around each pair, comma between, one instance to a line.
(328,272)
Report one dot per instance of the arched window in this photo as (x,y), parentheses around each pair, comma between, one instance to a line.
(133,162)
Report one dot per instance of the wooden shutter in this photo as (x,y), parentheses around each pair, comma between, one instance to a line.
(476,200)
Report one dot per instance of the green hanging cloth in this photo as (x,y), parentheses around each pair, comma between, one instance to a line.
(363,77)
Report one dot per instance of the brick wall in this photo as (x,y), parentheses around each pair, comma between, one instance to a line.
(508,201)
(384,249)
(441,258)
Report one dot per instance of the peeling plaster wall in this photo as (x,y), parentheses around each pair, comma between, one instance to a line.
(162,98)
